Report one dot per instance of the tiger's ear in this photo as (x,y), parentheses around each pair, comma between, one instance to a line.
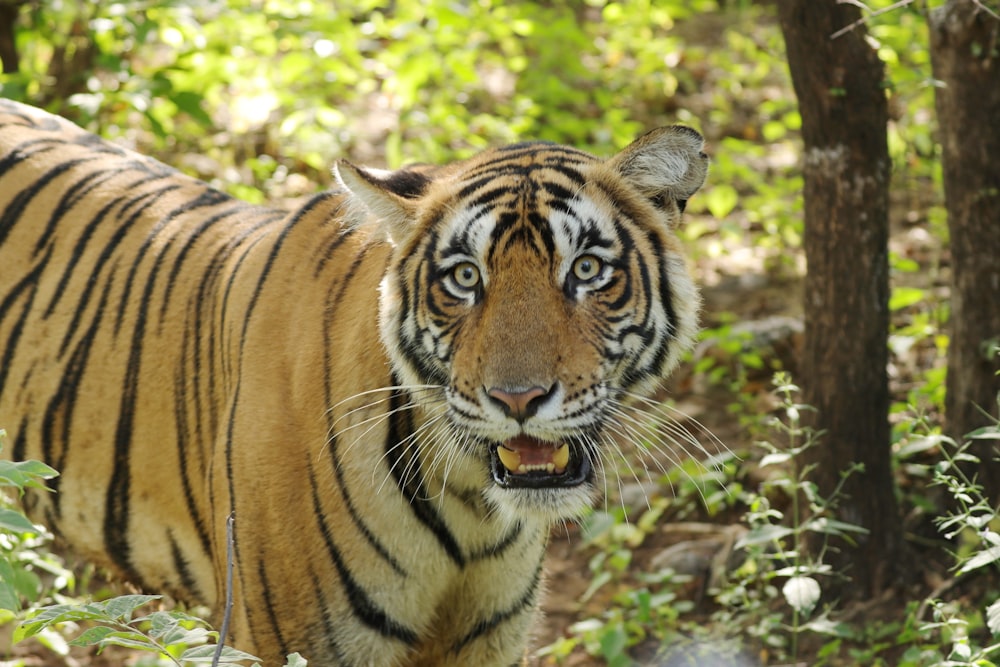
(390,196)
(664,164)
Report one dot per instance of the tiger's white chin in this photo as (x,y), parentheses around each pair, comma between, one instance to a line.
(545,505)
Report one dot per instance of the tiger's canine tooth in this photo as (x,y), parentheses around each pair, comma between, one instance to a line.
(510,459)
(561,457)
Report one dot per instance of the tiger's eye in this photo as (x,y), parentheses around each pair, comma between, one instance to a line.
(586,267)
(466,275)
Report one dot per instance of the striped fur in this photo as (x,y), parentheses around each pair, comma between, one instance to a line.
(341,377)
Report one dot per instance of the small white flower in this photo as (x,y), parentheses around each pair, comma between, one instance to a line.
(802,593)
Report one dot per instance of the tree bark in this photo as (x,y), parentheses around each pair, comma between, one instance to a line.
(840,88)
(965,60)
(9,12)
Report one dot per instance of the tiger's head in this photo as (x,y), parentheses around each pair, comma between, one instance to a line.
(536,289)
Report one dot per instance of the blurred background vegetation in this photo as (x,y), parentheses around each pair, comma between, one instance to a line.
(259,97)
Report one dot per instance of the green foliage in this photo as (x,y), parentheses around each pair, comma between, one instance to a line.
(437,79)
(968,637)
(642,605)
(20,558)
(174,635)
(775,549)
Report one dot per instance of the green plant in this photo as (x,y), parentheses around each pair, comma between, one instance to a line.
(640,606)
(775,549)
(178,637)
(973,525)
(20,559)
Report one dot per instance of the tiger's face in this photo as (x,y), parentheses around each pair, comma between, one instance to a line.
(535,289)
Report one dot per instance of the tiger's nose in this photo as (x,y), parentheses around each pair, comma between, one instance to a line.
(520,404)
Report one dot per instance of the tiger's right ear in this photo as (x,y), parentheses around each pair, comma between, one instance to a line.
(666,163)
(390,196)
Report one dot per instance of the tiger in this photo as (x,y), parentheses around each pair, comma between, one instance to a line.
(395,388)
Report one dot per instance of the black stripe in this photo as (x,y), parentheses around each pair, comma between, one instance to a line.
(70,270)
(62,404)
(140,254)
(184,445)
(364,608)
(20,449)
(246,317)
(334,241)
(331,311)
(71,196)
(28,285)
(496,550)
(181,566)
(206,199)
(327,632)
(272,613)
(410,483)
(13,212)
(488,625)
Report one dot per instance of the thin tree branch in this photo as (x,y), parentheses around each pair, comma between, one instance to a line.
(229,590)
(980,5)
(871,14)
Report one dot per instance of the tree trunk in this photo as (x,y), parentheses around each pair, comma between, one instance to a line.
(840,88)
(9,12)
(965,59)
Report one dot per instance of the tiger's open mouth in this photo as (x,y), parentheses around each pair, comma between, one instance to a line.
(526,462)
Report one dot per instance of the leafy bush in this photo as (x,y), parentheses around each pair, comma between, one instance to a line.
(20,557)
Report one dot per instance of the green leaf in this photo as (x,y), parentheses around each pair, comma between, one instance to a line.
(601,578)
(828,526)
(981,559)
(161,623)
(613,642)
(134,640)
(22,474)
(296,660)
(774,458)
(15,522)
(721,200)
(9,598)
(597,524)
(123,606)
(905,296)
(985,433)
(765,534)
(93,636)
(190,103)
(206,654)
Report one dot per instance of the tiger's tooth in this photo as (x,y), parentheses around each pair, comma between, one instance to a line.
(561,457)
(510,459)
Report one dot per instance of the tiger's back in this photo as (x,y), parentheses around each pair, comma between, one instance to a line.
(99,248)
(395,387)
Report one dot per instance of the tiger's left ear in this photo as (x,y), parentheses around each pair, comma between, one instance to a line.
(390,196)
(664,164)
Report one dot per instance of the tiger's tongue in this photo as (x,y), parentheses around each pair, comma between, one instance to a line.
(526,454)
